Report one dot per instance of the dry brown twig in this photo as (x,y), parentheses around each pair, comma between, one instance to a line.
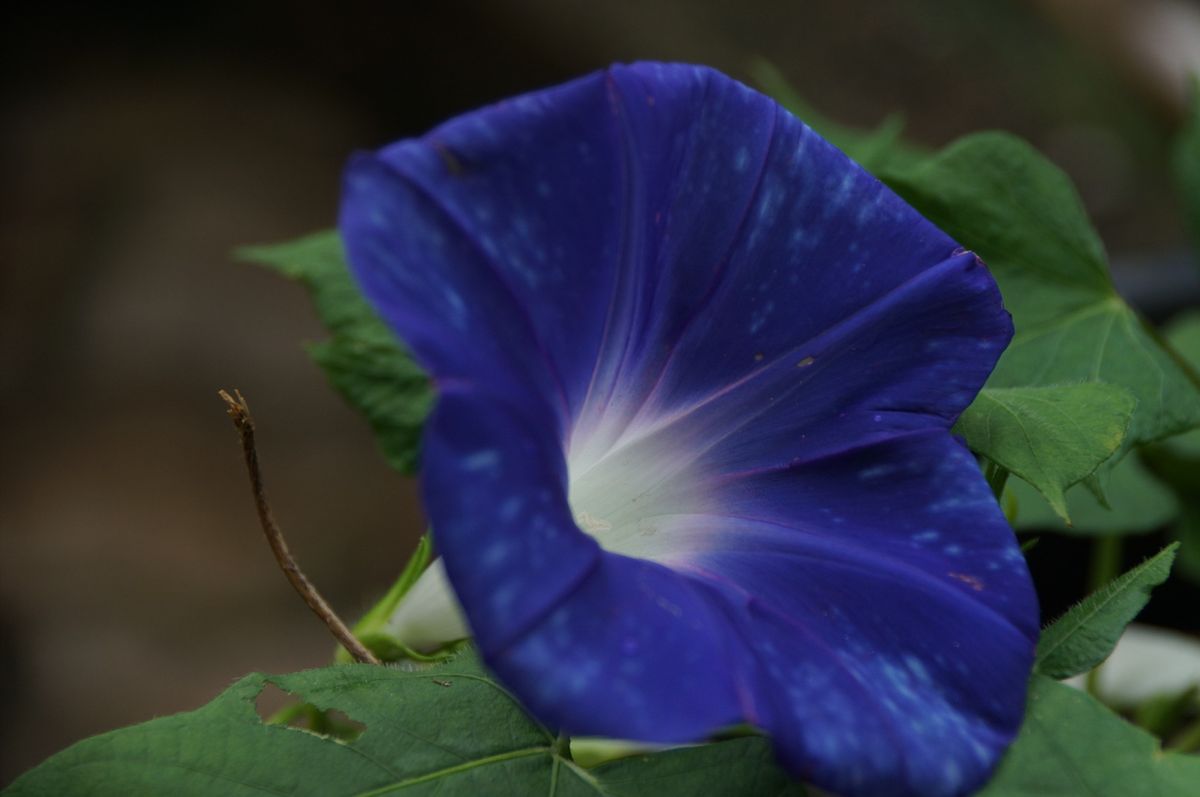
(239,411)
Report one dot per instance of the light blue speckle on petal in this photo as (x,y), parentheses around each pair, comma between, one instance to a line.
(741,160)
(485,460)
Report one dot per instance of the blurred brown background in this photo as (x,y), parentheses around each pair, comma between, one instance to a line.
(139,147)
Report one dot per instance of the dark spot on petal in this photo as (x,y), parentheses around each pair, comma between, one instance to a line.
(449,160)
(969,580)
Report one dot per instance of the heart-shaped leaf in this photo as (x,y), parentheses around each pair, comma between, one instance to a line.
(449,730)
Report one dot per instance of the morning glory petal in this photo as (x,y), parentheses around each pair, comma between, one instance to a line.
(494,486)
(837,570)
(638,651)
(508,224)
(595,643)
(690,463)
(845,387)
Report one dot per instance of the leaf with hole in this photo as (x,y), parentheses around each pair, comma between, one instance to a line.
(449,730)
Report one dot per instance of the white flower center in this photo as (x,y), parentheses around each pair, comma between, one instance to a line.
(636,493)
(639,497)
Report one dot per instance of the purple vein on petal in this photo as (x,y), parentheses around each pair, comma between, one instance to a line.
(719,270)
(853,557)
(822,340)
(622,302)
(797,463)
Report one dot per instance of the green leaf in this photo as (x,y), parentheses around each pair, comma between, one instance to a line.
(1140,504)
(1052,437)
(363,359)
(1186,163)
(733,768)
(449,730)
(1087,633)
(371,629)
(875,150)
(1183,333)
(1164,714)
(1176,461)
(1072,746)
(999,197)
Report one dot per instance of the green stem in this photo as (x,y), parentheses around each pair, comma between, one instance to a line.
(387,648)
(372,623)
(1106,565)
(1106,561)
(1188,740)
(381,611)
(997,477)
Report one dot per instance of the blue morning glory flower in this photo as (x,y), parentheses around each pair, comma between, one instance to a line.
(690,464)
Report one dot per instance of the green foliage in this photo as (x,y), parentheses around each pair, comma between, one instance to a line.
(1139,504)
(999,197)
(1083,394)
(362,358)
(1183,334)
(1071,745)
(1164,714)
(1052,437)
(1186,163)
(876,150)
(449,730)
(1087,633)
(1177,461)
(371,628)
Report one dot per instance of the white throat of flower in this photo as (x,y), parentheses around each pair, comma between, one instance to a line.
(636,497)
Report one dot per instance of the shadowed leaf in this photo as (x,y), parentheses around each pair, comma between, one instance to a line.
(363,359)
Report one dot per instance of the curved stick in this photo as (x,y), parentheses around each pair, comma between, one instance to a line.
(239,411)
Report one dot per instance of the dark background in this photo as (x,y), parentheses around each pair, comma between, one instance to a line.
(139,147)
